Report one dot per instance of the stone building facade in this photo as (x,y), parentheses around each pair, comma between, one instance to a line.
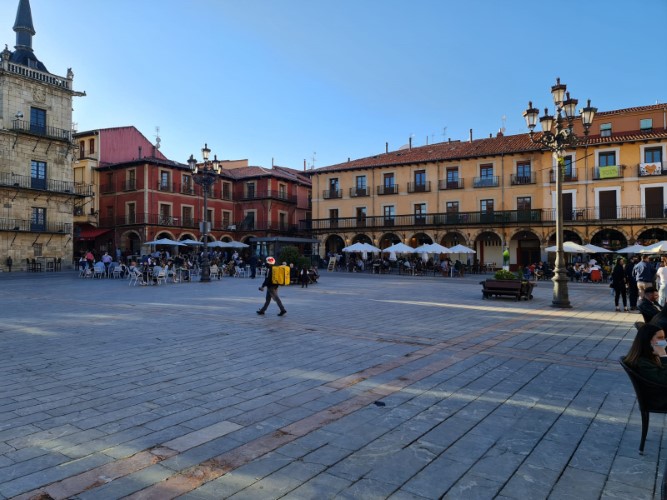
(36,186)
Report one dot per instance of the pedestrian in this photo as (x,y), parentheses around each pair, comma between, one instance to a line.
(271,289)
(303,277)
(633,292)
(644,273)
(661,278)
(253,265)
(10,262)
(618,283)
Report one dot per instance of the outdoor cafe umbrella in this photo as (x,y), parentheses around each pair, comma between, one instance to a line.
(595,249)
(659,247)
(191,242)
(361,247)
(461,249)
(636,248)
(570,247)
(166,241)
(438,248)
(399,248)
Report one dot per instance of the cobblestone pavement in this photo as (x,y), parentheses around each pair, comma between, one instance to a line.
(370,387)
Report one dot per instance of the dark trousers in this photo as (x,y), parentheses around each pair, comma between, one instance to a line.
(619,292)
(633,294)
(272,293)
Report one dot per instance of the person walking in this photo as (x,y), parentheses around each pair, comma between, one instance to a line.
(644,273)
(633,292)
(618,283)
(661,279)
(271,289)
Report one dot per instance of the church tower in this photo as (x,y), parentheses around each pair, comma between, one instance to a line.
(36,151)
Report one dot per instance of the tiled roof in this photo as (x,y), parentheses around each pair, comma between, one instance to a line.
(636,109)
(287,174)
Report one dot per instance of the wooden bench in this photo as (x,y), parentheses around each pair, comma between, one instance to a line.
(510,288)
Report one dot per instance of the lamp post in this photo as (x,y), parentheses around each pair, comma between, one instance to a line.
(205,175)
(558,135)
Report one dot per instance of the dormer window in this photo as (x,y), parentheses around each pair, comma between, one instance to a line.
(605,130)
(646,124)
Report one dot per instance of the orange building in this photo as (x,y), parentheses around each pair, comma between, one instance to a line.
(499,192)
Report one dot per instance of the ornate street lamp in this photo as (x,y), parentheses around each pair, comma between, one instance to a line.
(205,175)
(558,135)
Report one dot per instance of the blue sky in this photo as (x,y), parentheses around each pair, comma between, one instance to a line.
(295,80)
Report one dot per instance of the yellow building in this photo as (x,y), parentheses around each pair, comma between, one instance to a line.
(500,192)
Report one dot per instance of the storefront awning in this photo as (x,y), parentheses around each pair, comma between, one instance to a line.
(91,233)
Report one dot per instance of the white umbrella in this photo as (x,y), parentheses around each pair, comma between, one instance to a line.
(166,241)
(191,242)
(570,247)
(216,244)
(235,244)
(399,248)
(424,249)
(636,248)
(361,247)
(595,249)
(659,247)
(438,248)
(461,249)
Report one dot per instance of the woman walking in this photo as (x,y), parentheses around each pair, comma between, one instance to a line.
(618,283)
(661,278)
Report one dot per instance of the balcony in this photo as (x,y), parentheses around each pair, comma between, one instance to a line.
(130,185)
(446,184)
(187,189)
(522,180)
(358,192)
(166,187)
(270,193)
(47,185)
(608,172)
(419,187)
(570,176)
(485,182)
(28,226)
(329,194)
(26,127)
(391,189)
(107,189)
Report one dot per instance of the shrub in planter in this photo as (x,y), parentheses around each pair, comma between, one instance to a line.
(505,275)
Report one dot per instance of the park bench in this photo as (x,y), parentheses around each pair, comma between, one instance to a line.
(512,288)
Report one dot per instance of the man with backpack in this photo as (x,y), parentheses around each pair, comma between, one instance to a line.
(271,286)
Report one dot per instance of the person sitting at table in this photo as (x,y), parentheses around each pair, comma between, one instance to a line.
(444,267)
(313,275)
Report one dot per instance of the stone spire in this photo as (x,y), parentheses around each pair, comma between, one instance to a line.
(25,30)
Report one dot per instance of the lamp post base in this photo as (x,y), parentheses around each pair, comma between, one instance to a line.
(205,271)
(561,298)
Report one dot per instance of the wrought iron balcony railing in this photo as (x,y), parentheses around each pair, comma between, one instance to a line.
(450,184)
(328,194)
(484,182)
(48,185)
(520,180)
(419,187)
(390,189)
(357,192)
(29,226)
(569,176)
(25,126)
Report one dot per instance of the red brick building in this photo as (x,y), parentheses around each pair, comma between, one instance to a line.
(143,196)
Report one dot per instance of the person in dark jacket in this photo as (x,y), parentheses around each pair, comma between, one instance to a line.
(633,291)
(618,283)
(647,354)
(649,306)
(271,290)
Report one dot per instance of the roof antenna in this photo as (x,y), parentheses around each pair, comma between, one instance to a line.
(157,137)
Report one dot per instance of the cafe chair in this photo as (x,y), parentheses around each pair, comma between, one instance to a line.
(136,276)
(651,398)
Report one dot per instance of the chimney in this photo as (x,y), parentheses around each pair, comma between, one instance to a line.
(140,152)
(410,143)
(386,147)
(304,164)
(500,133)
(470,140)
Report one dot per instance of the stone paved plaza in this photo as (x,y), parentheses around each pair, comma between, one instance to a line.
(370,387)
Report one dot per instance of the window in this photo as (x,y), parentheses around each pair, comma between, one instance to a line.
(37,249)
(249,220)
(360,185)
(388,181)
(486,206)
(282,190)
(226,191)
(389,214)
(78,174)
(420,213)
(646,124)
(131,213)
(486,171)
(452,177)
(567,168)
(333,185)
(333,217)
(653,155)
(523,203)
(420,179)
(165,213)
(607,158)
(361,216)
(131,180)
(282,221)
(226,219)
(605,129)
(110,213)
(187,215)
(38,121)
(91,147)
(38,174)
(164,181)
(523,170)
(452,207)
(250,190)
(82,150)
(38,219)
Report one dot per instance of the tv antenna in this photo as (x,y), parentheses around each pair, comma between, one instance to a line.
(157,137)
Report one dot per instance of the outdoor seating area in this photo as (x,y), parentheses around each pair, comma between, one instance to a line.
(511,288)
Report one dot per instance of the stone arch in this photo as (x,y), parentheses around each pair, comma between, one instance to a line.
(524,248)
(419,239)
(452,238)
(611,238)
(187,236)
(334,244)
(650,235)
(362,238)
(388,239)
(164,234)
(568,235)
(131,242)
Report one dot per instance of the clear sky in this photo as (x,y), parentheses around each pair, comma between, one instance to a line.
(324,80)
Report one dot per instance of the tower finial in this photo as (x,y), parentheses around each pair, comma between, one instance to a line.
(24,32)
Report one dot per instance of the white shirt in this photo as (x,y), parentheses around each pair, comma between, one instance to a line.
(661,276)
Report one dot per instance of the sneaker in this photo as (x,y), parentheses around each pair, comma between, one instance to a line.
(260,312)
(618,309)
(282,313)
(626,309)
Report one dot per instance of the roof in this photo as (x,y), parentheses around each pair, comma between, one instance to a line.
(283,173)
(121,144)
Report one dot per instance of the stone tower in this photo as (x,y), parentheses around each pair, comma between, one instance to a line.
(36,150)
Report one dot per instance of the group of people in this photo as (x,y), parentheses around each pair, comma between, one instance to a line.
(639,280)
